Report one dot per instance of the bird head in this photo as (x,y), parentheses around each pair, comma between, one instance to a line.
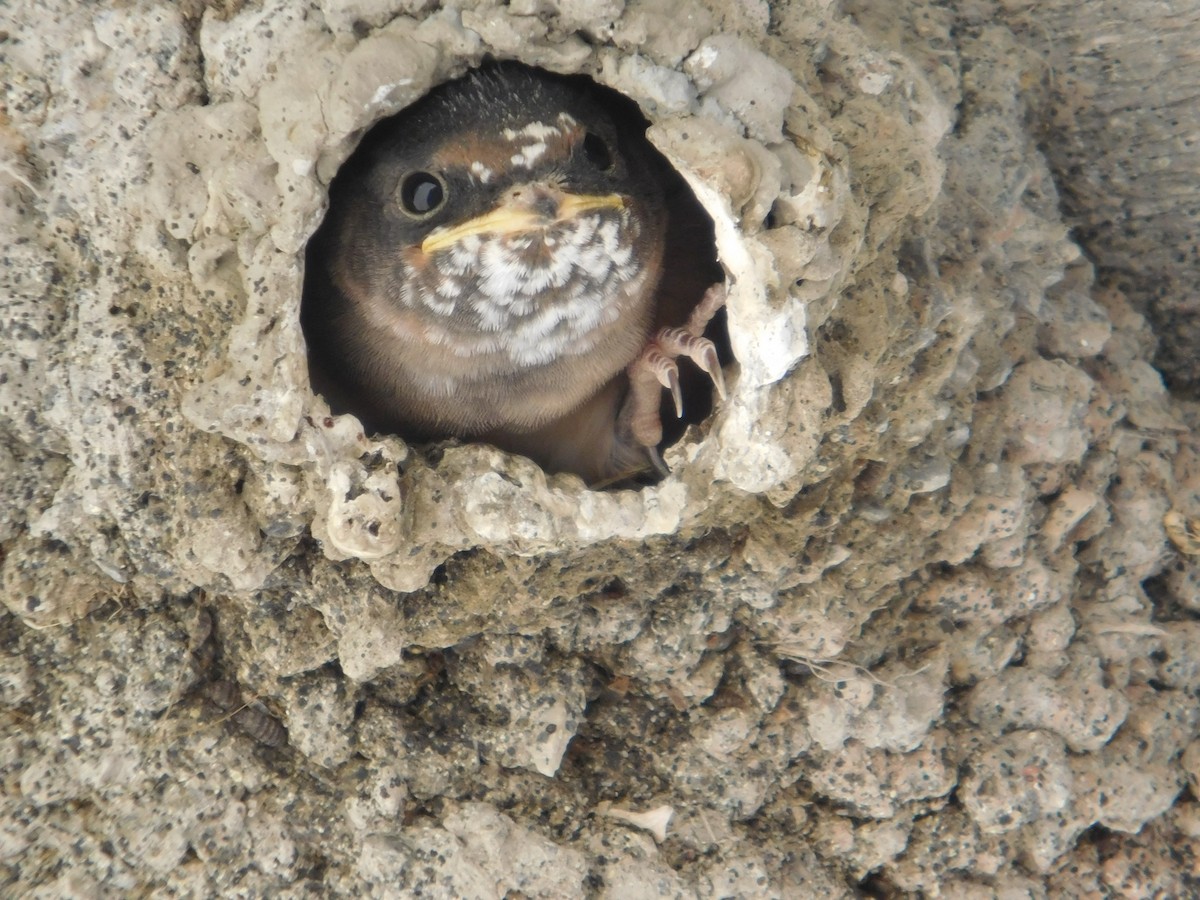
(511,211)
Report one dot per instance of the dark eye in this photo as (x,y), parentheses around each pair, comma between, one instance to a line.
(422,193)
(597,152)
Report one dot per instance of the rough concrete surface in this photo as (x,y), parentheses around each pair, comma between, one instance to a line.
(916,612)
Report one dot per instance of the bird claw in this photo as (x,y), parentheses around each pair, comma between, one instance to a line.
(664,369)
(656,367)
(671,383)
(677,342)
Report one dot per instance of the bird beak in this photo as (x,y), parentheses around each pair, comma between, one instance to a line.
(515,218)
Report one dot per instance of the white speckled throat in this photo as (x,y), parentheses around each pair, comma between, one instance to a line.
(553,290)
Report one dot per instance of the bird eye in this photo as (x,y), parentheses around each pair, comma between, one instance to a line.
(597,152)
(422,193)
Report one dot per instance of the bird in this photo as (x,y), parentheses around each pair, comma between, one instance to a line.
(491,268)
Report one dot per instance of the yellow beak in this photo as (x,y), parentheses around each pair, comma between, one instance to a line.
(510,218)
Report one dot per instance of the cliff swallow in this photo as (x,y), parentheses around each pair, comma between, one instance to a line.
(491,268)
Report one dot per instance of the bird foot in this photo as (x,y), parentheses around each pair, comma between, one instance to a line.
(656,368)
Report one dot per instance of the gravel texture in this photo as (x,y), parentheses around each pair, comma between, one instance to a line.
(915,613)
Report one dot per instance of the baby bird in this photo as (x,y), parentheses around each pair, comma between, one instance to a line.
(490,268)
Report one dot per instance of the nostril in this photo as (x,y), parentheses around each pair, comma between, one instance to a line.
(542,201)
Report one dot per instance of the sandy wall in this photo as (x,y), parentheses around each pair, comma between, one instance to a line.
(915,611)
